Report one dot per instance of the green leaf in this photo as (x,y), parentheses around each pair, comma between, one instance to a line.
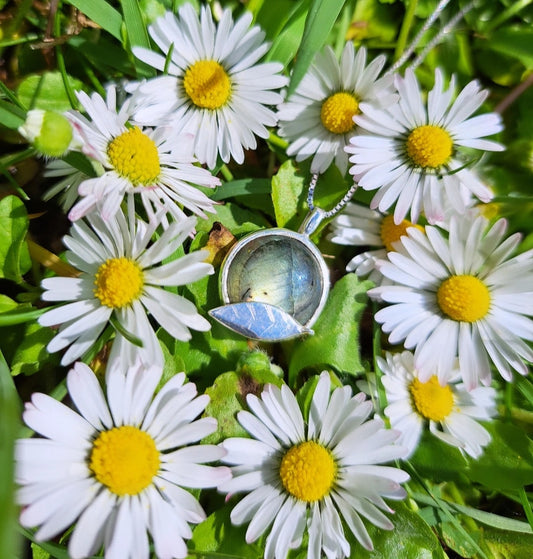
(411,538)
(20,314)
(47,91)
(238,220)
(14,255)
(217,538)
(228,397)
(289,30)
(318,24)
(289,186)
(289,192)
(9,426)
(102,53)
(137,33)
(101,13)
(515,41)
(336,339)
(229,390)
(31,354)
(437,460)
(55,550)
(38,552)
(11,116)
(507,462)
(242,187)
(505,545)
(7,304)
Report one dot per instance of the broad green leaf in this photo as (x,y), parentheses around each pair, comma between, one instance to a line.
(507,462)
(289,194)
(101,13)
(14,256)
(437,460)
(336,340)
(319,22)
(31,355)
(9,426)
(38,552)
(515,41)
(506,545)
(217,538)
(47,91)
(7,304)
(229,390)
(242,187)
(101,52)
(238,220)
(411,538)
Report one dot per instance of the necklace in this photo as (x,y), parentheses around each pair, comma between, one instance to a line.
(274,283)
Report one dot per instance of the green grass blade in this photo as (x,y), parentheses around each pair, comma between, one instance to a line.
(322,15)
(137,33)
(101,13)
(9,427)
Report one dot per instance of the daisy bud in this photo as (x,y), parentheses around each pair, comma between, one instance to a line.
(48,131)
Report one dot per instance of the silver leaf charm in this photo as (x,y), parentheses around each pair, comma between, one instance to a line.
(259,321)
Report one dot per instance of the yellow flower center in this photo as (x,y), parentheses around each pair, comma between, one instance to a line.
(430,399)
(308,471)
(134,156)
(207,84)
(463,298)
(118,282)
(337,112)
(429,146)
(124,459)
(390,232)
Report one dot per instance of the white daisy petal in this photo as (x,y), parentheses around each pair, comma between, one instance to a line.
(294,487)
(125,274)
(450,409)
(416,171)
(226,112)
(447,303)
(76,474)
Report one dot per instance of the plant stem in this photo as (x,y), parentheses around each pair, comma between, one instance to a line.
(406,27)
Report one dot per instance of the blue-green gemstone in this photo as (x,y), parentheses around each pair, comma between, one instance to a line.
(278,267)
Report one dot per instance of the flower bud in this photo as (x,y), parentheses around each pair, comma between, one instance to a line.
(49,132)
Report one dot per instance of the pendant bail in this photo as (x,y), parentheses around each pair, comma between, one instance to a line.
(313,219)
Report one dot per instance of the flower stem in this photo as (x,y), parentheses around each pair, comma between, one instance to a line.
(406,27)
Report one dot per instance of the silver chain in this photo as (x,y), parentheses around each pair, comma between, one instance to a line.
(335,210)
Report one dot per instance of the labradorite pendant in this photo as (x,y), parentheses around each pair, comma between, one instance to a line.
(274,283)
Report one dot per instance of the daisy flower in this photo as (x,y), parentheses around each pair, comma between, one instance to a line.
(460,297)
(214,86)
(120,279)
(318,118)
(154,163)
(361,226)
(117,468)
(450,410)
(313,475)
(413,154)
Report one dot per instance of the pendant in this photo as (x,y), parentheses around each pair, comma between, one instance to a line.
(274,283)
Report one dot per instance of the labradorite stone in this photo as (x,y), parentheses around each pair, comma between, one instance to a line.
(279,270)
